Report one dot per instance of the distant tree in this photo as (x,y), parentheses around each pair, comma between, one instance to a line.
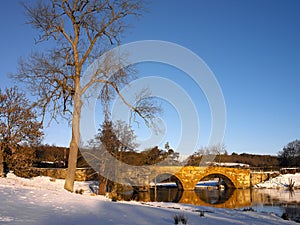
(262,161)
(126,136)
(116,138)
(290,155)
(217,150)
(197,156)
(154,155)
(51,153)
(108,137)
(80,31)
(19,129)
(172,155)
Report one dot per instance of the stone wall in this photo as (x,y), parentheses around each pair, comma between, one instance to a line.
(258,177)
(82,174)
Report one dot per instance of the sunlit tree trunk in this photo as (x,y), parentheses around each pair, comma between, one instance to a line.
(1,163)
(74,144)
(102,185)
(72,161)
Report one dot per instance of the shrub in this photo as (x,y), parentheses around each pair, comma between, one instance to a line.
(80,191)
(201,213)
(285,216)
(180,218)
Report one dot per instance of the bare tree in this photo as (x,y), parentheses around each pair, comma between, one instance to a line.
(81,30)
(18,126)
(206,155)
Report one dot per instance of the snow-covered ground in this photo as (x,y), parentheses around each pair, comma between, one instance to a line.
(281,181)
(39,201)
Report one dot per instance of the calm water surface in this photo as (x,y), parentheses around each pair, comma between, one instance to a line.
(261,200)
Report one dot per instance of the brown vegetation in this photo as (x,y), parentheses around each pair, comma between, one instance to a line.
(261,161)
(19,130)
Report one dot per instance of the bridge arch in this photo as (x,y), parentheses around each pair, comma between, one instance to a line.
(162,177)
(226,181)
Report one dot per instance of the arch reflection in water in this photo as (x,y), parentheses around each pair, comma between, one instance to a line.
(228,198)
(168,188)
(214,196)
(165,194)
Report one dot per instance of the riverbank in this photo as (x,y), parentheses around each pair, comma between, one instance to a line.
(43,201)
(281,182)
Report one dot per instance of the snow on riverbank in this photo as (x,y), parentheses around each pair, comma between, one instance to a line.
(281,181)
(39,201)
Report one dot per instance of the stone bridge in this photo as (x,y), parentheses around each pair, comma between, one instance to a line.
(187,177)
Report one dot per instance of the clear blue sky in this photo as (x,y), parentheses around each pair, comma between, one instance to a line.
(253,48)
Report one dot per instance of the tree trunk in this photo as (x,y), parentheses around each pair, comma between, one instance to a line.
(1,164)
(102,185)
(72,162)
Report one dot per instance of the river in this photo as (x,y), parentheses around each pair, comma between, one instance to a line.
(261,200)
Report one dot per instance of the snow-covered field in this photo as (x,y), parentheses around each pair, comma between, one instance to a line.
(39,201)
(281,181)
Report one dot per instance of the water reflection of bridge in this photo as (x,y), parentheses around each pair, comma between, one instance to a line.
(234,198)
(231,198)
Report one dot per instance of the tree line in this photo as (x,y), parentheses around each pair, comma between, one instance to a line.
(258,161)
